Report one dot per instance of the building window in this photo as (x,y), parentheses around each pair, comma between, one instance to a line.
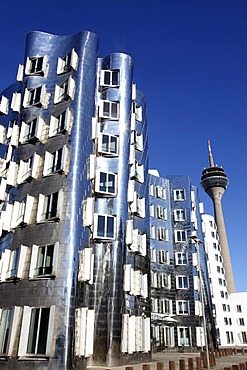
(49,207)
(163,257)
(241,321)
(34,96)
(163,281)
(22,212)
(244,336)
(182,282)
(67,63)
(179,194)
(215,245)
(9,320)
(222,294)
(179,215)
(216,257)
(160,192)
(162,234)
(65,91)
(151,190)
(224,307)
(164,306)
(137,140)
(180,236)
(152,232)
(218,269)
(4,105)
(61,123)
(182,307)
(227,337)
(56,161)
(181,258)
(151,210)
(109,78)
(36,331)
(28,169)
(238,308)
(108,144)
(220,281)
(44,261)
(226,320)
(104,226)
(161,212)
(31,131)
(106,183)
(184,336)
(36,65)
(137,172)
(109,109)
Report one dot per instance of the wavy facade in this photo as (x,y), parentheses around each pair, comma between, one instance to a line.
(74,209)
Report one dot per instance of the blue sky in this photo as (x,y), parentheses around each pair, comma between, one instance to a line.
(190,60)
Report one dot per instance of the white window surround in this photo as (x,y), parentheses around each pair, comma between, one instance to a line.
(184,336)
(179,194)
(28,169)
(139,242)
(182,307)
(137,109)
(162,234)
(137,172)
(160,192)
(65,91)
(86,264)
(36,65)
(151,190)
(13,262)
(180,236)
(104,227)
(163,280)
(33,130)
(22,212)
(138,205)
(110,78)
(165,306)
(50,207)
(151,210)
(44,261)
(182,282)
(84,335)
(163,256)
(161,213)
(152,232)
(109,109)
(106,183)
(181,258)
(16,102)
(56,162)
(34,96)
(61,123)
(20,72)
(137,140)
(9,320)
(4,105)
(179,215)
(68,62)
(34,341)
(108,144)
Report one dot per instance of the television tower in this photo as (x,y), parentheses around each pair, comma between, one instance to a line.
(214,181)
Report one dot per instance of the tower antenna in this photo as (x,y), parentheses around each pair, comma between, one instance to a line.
(211,158)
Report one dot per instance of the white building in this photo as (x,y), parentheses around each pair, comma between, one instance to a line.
(239,313)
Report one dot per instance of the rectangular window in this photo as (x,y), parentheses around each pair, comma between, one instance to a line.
(162,234)
(65,91)
(4,105)
(61,123)
(137,172)
(36,331)
(181,258)
(137,109)
(184,336)
(182,282)
(49,207)
(161,213)
(22,212)
(241,321)
(244,336)
(238,308)
(106,183)
(36,65)
(104,226)
(151,210)
(164,306)
(44,261)
(224,307)
(180,236)
(179,215)
(151,190)
(109,109)
(179,194)
(137,140)
(152,232)
(108,144)
(68,63)
(160,192)
(182,307)
(9,320)
(109,78)
(163,281)
(34,96)
(56,161)
(163,256)
(32,131)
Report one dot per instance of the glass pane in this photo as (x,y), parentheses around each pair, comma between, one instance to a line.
(113,145)
(110,227)
(101,226)
(5,323)
(102,184)
(105,141)
(43,330)
(107,78)
(114,110)
(111,183)
(115,78)
(33,331)
(106,109)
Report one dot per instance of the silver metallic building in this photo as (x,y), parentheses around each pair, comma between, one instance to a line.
(74,221)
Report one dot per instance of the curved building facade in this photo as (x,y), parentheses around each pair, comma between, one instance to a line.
(74,232)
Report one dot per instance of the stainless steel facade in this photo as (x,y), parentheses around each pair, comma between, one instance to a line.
(74,209)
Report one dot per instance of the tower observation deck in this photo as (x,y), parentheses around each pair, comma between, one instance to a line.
(214,181)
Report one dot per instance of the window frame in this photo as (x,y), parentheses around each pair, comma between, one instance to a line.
(68,63)
(98,181)
(61,123)
(179,214)
(181,279)
(34,62)
(105,235)
(109,145)
(9,333)
(110,113)
(35,260)
(183,307)
(111,83)
(45,205)
(183,258)
(34,96)
(179,195)
(65,91)
(180,236)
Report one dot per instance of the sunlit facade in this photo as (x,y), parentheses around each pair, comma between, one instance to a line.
(74,220)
